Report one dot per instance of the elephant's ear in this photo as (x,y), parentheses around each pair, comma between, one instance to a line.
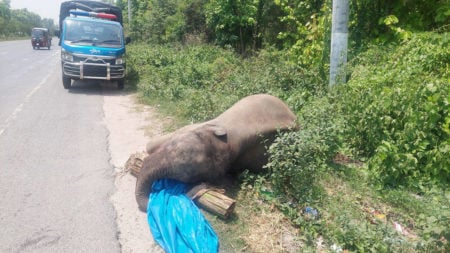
(218,131)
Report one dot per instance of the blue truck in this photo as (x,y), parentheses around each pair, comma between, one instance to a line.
(92,42)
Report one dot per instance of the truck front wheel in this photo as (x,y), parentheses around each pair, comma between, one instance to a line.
(67,82)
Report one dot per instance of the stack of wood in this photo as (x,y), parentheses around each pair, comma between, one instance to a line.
(209,198)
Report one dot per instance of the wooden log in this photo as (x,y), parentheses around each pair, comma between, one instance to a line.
(134,163)
(217,203)
(209,198)
(212,200)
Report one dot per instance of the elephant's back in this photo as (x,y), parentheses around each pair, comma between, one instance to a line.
(261,112)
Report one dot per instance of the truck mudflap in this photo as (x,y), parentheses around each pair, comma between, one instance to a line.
(90,70)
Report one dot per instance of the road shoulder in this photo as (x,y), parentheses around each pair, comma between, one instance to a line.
(130,126)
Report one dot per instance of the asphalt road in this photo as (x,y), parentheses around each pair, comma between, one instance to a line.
(56,177)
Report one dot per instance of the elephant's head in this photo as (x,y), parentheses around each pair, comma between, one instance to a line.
(200,154)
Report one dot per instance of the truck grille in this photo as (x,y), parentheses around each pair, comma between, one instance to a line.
(97,71)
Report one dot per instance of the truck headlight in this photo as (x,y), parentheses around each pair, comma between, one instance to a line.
(66,56)
(120,60)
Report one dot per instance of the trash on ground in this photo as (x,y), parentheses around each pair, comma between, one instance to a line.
(310,213)
(403,230)
(376,217)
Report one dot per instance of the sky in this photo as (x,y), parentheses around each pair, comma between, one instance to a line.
(44,8)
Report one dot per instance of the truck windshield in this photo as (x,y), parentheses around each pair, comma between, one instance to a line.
(86,32)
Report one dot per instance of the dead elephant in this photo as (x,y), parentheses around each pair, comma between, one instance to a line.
(207,151)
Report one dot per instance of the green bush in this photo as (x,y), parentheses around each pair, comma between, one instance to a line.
(203,81)
(298,158)
(397,109)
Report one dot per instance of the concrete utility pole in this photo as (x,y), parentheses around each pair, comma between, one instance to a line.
(339,40)
(129,13)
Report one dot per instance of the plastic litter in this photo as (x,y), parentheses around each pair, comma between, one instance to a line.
(336,248)
(374,216)
(176,222)
(310,213)
(398,227)
(403,230)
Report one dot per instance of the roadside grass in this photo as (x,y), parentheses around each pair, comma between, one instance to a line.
(2,38)
(255,225)
(353,216)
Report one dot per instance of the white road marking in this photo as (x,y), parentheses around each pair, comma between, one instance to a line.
(19,108)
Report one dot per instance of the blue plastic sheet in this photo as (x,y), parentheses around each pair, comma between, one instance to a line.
(176,222)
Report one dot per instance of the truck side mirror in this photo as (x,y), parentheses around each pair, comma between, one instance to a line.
(127,40)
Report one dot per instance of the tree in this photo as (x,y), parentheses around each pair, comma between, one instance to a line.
(22,21)
(5,16)
(233,22)
(195,19)
(302,27)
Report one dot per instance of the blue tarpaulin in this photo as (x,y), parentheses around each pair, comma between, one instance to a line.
(176,222)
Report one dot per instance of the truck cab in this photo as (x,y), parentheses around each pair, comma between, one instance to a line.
(92,42)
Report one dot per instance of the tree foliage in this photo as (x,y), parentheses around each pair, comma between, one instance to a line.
(301,27)
(5,16)
(19,22)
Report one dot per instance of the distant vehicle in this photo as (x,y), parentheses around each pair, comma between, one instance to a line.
(92,42)
(40,37)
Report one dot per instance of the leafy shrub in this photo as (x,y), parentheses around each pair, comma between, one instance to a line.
(205,80)
(397,109)
(297,158)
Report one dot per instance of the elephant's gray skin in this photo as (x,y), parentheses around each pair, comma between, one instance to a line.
(207,151)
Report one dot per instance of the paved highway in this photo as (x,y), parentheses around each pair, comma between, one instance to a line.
(55,171)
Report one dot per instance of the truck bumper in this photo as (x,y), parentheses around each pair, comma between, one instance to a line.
(101,71)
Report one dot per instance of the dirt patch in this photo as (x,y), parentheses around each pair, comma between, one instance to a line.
(130,126)
(272,233)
